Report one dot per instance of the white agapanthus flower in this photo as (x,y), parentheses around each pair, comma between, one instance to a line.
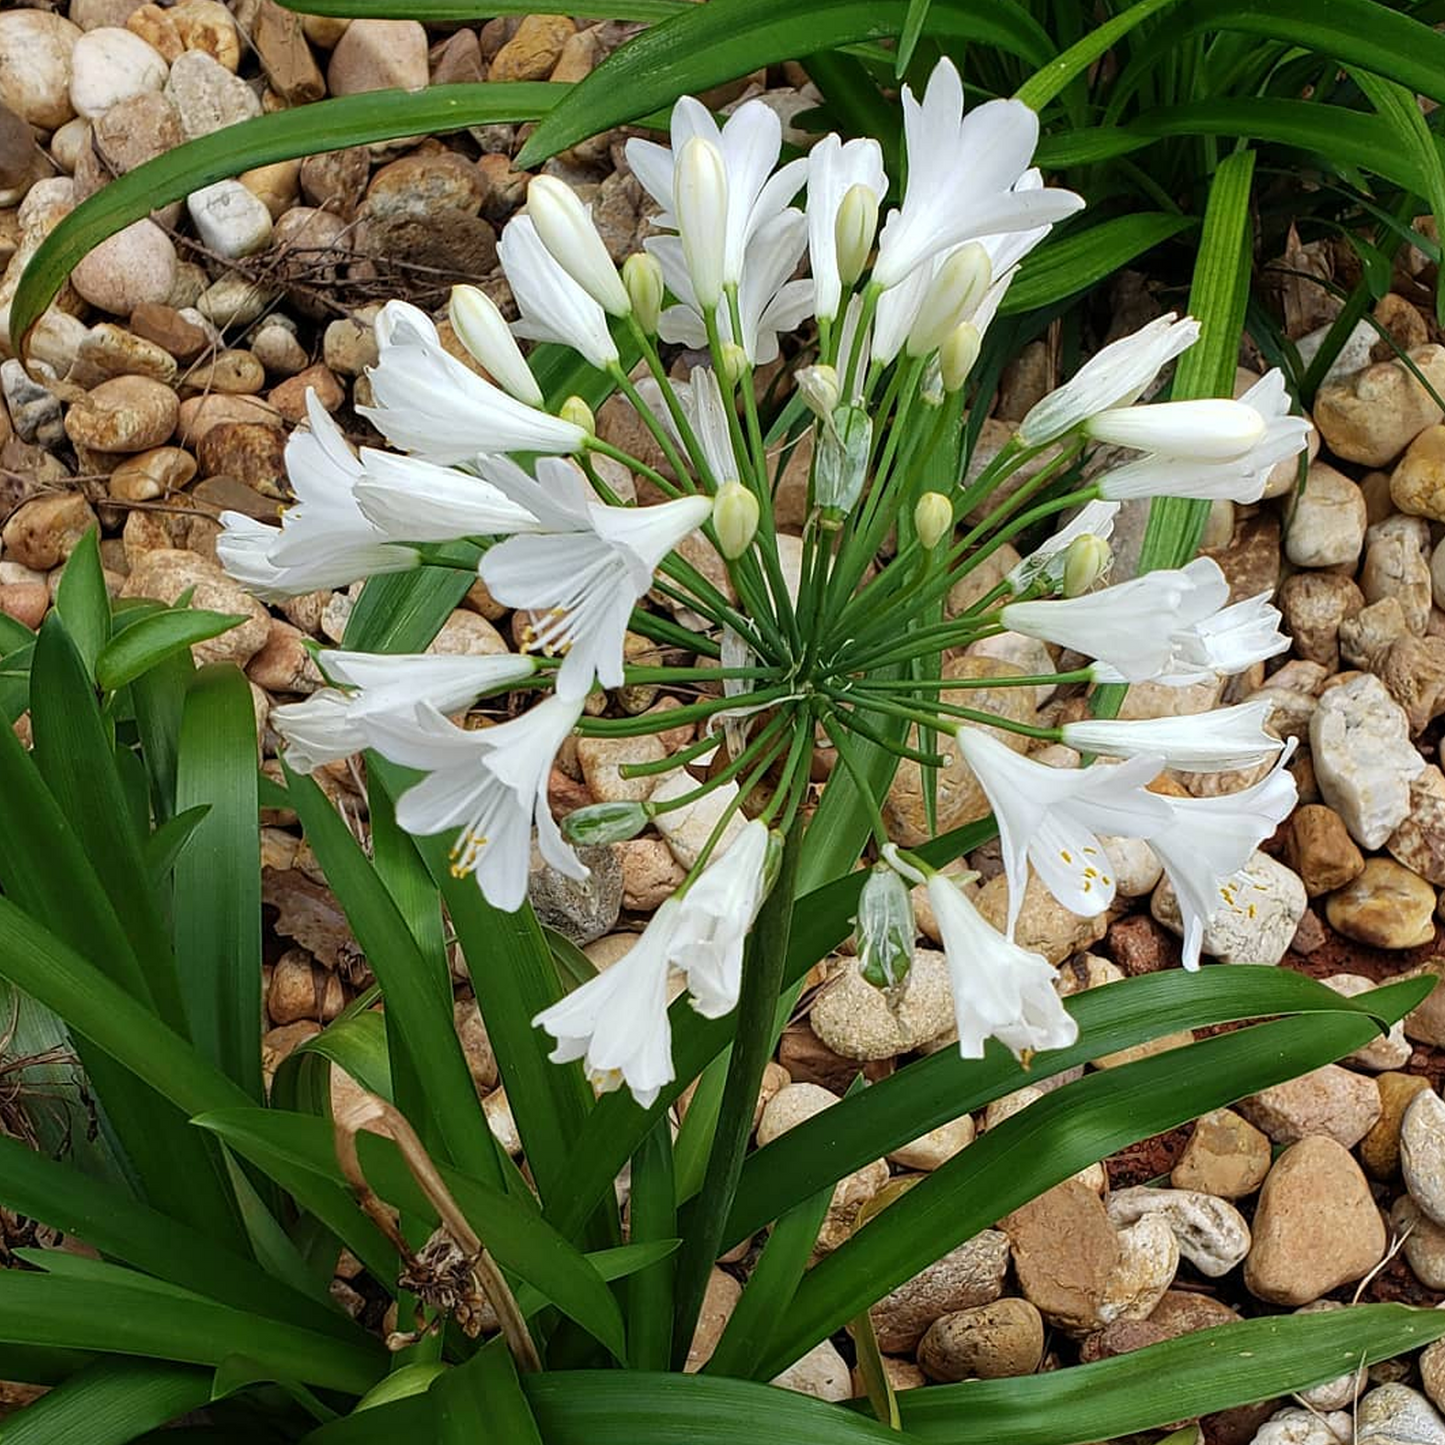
(324,540)
(1116,376)
(717,912)
(1133,626)
(567,230)
(328,725)
(701,400)
(834,168)
(418,501)
(1207,742)
(1208,430)
(617,1023)
(964,174)
(1052,818)
(747,147)
(585,570)
(1241,479)
(1094,519)
(554,306)
(488,787)
(1208,841)
(1000,990)
(428,403)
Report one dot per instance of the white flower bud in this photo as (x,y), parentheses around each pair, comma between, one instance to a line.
(932,519)
(951,298)
(854,230)
(575,410)
(734,364)
(819,388)
(642,275)
(1087,559)
(481,329)
(700,202)
(566,228)
(735,518)
(1207,430)
(957,355)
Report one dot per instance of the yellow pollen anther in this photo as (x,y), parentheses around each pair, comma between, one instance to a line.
(1066,855)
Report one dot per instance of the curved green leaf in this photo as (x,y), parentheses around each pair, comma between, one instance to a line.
(111,1402)
(153,639)
(1046,83)
(327,125)
(725,38)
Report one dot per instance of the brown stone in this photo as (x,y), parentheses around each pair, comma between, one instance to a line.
(249,451)
(1064,1251)
(533,50)
(42,532)
(289,396)
(1140,945)
(232,373)
(1314,604)
(285,56)
(301,989)
(165,326)
(151,474)
(1380,1148)
(988,1342)
(1226,1156)
(1386,906)
(199,414)
(126,414)
(1319,848)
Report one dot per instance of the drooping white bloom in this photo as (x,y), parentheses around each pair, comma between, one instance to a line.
(1208,841)
(701,400)
(1206,742)
(488,787)
(585,571)
(324,540)
(483,330)
(834,168)
(1240,480)
(717,912)
(1219,644)
(418,501)
(567,230)
(1208,430)
(617,1022)
(428,403)
(963,176)
(768,302)
(327,726)
(1051,817)
(1132,626)
(1094,519)
(1116,376)
(1000,990)
(748,145)
(554,306)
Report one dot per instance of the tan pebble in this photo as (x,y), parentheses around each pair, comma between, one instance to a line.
(289,396)
(1380,1148)
(42,532)
(151,474)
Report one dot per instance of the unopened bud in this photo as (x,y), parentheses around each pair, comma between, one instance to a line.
(951,298)
(575,410)
(1086,560)
(957,355)
(932,519)
(605,823)
(841,463)
(854,230)
(566,229)
(819,388)
(642,275)
(734,364)
(885,929)
(735,519)
(700,203)
(481,328)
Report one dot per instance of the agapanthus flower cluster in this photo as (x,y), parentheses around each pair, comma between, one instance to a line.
(794,657)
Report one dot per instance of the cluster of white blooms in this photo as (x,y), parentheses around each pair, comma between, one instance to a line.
(842,650)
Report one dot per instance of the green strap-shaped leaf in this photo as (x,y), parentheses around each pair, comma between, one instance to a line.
(81,599)
(482,1401)
(111,1402)
(155,638)
(327,125)
(1053,1138)
(1046,83)
(714,42)
(216,909)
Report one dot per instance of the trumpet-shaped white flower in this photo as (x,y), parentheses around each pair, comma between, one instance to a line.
(1131,627)
(1094,519)
(567,230)
(768,302)
(327,726)
(428,403)
(748,146)
(488,787)
(1051,817)
(1000,990)
(1208,430)
(324,540)
(834,168)
(1242,479)
(587,569)
(1219,644)
(1206,742)
(717,912)
(1208,841)
(483,330)
(1116,376)
(944,205)
(554,306)
(617,1022)
(418,501)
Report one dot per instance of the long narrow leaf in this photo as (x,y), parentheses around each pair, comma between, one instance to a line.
(111,1402)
